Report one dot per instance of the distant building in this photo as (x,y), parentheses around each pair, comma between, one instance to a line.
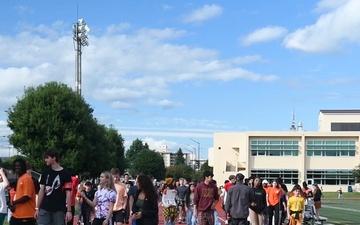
(169,157)
(326,157)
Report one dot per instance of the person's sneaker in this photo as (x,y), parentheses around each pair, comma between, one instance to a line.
(226,222)
(179,221)
(318,222)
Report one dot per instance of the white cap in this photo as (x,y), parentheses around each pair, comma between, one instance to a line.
(265,182)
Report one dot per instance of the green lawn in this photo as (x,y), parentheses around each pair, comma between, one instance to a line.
(341,211)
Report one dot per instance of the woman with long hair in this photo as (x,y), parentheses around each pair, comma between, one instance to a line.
(257,211)
(145,208)
(317,200)
(189,204)
(104,199)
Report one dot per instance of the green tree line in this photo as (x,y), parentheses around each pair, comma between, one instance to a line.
(54,116)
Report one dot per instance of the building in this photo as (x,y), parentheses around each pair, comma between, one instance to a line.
(169,157)
(326,157)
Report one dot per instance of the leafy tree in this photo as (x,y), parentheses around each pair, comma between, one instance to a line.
(52,115)
(149,162)
(356,174)
(134,150)
(179,158)
(115,145)
(205,167)
(181,170)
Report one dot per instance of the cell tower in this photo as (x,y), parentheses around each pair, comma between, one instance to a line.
(80,31)
(293,127)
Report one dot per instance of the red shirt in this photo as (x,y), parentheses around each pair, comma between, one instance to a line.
(228,185)
(74,184)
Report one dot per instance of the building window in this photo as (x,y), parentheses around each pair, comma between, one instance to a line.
(345,126)
(230,167)
(330,148)
(289,176)
(274,148)
(331,177)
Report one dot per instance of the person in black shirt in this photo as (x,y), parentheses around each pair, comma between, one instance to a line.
(257,210)
(128,184)
(86,209)
(55,192)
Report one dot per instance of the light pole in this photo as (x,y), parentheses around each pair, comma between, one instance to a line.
(193,151)
(80,31)
(198,155)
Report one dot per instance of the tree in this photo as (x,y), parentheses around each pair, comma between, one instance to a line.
(52,115)
(179,158)
(149,162)
(181,170)
(356,174)
(134,150)
(115,143)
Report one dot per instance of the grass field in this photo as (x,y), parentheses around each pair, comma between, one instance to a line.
(341,211)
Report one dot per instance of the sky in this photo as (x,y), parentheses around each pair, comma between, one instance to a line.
(174,72)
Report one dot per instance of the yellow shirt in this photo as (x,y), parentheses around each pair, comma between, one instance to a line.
(296,204)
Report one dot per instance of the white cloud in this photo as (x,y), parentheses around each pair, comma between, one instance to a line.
(263,35)
(164,103)
(119,69)
(154,143)
(23,10)
(205,13)
(331,31)
(4,131)
(326,5)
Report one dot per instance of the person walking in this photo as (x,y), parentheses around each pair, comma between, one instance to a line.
(128,184)
(86,209)
(205,199)
(170,208)
(145,207)
(317,200)
(55,192)
(296,207)
(240,198)
(23,204)
(257,211)
(119,213)
(189,205)
(4,183)
(104,199)
(181,193)
(273,202)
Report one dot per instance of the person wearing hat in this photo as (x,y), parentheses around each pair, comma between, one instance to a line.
(239,199)
(170,209)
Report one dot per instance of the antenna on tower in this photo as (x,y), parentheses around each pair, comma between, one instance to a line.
(81,39)
(293,126)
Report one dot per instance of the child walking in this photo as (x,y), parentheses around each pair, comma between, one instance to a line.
(296,207)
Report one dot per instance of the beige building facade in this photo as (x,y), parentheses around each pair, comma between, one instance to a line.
(326,157)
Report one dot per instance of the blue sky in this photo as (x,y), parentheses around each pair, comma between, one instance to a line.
(171,71)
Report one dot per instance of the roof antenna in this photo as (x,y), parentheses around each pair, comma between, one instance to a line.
(293,126)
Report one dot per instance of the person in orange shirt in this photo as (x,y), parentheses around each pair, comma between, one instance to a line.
(273,201)
(23,205)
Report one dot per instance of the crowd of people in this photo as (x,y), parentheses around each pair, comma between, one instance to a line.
(52,199)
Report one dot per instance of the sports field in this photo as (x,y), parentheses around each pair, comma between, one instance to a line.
(341,211)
